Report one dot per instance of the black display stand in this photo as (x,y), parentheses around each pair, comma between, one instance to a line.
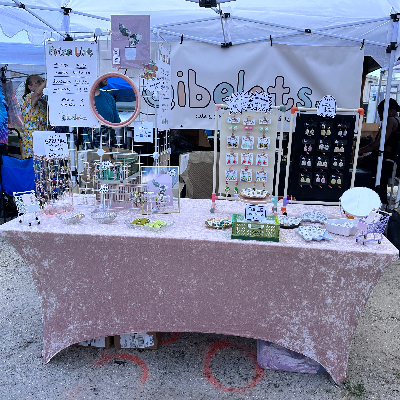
(321,157)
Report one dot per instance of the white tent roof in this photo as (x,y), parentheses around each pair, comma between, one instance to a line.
(334,23)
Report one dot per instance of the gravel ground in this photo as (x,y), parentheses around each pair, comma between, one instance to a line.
(182,367)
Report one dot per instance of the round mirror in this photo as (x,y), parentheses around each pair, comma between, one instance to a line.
(114,100)
(359,201)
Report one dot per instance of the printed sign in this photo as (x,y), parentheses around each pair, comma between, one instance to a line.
(50,144)
(56,145)
(327,107)
(255,213)
(143,131)
(71,71)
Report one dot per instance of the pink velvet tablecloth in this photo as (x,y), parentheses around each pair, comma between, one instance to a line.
(98,280)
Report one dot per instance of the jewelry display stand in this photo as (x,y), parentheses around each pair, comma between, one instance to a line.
(247,153)
(318,170)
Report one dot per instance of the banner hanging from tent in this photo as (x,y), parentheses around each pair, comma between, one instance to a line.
(71,71)
(203,75)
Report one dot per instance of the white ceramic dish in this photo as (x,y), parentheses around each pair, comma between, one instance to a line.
(342,226)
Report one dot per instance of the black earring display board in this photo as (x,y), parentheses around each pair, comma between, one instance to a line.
(321,157)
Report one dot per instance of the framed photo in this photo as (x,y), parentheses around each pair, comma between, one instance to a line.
(160,186)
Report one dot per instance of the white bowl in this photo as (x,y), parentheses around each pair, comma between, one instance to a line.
(342,226)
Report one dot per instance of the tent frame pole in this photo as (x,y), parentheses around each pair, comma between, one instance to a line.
(392,51)
(20,5)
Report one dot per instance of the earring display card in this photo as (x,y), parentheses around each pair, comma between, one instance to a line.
(256,160)
(320,167)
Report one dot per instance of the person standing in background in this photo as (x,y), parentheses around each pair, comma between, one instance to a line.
(369,154)
(34,111)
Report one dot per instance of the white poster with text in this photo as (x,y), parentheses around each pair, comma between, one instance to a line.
(71,71)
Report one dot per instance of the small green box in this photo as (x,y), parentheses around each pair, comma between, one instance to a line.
(242,229)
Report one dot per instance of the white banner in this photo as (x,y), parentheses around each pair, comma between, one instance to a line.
(71,71)
(204,74)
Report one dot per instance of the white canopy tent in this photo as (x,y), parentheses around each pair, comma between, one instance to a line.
(372,24)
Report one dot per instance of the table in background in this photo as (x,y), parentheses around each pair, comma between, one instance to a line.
(99,280)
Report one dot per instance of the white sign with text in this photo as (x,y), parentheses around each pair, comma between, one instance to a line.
(71,71)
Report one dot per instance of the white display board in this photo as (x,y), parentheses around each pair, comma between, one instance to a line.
(246,153)
(71,71)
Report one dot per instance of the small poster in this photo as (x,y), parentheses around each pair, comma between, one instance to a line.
(50,144)
(327,107)
(56,145)
(71,71)
(255,213)
(130,40)
(143,131)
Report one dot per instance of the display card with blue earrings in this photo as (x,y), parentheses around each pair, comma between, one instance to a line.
(247,142)
(305,161)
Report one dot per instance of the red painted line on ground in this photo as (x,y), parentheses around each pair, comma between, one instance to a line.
(104,357)
(175,336)
(216,346)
